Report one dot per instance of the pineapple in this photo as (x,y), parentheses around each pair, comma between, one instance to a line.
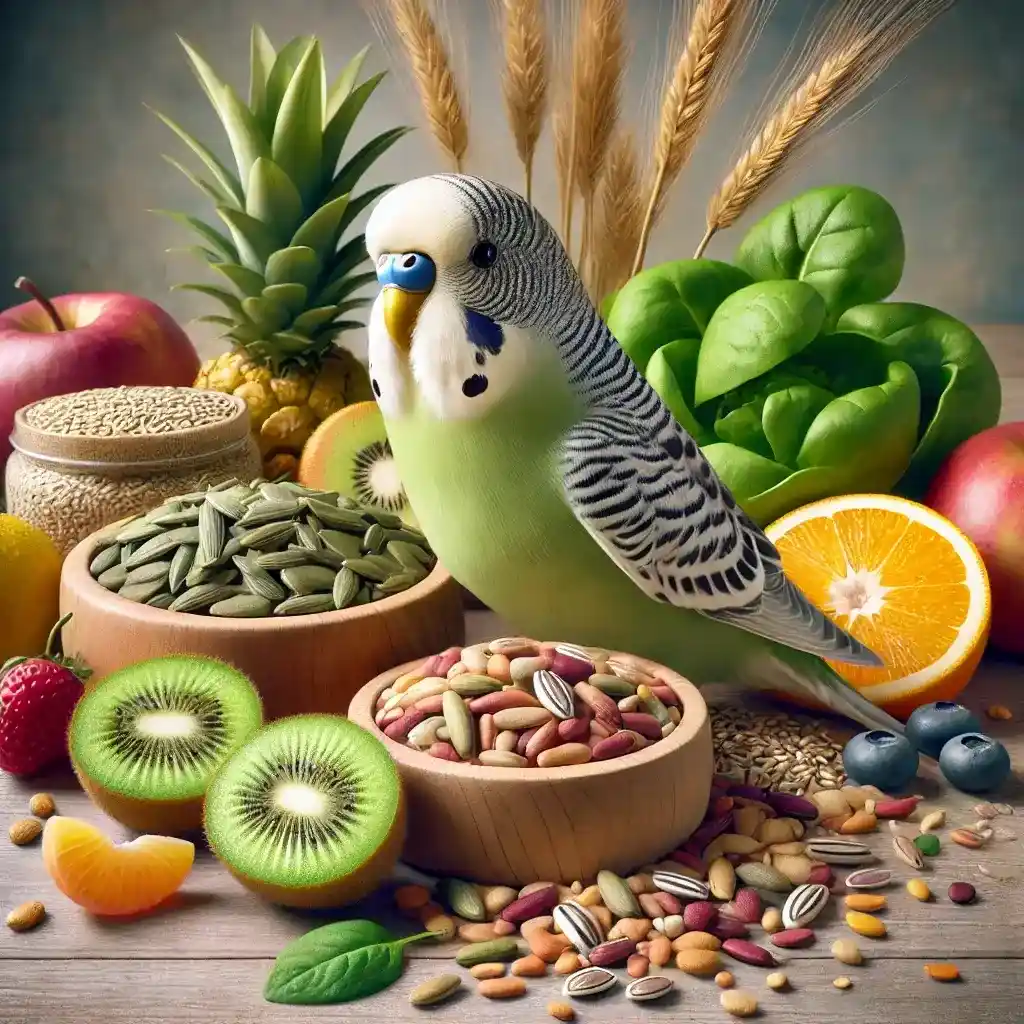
(289,281)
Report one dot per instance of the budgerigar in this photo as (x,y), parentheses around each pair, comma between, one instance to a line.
(548,475)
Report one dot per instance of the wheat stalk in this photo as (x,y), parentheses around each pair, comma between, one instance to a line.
(686,104)
(433,75)
(620,211)
(862,39)
(525,77)
(600,57)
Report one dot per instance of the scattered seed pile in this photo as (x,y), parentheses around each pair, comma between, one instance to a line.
(253,550)
(517,703)
(112,412)
(196,437)
(752,880)
(774,749)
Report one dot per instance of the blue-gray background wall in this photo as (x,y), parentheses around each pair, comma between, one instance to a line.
(80,155)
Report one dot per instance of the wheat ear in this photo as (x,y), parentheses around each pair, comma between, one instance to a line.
(525,77)
(600,59)
(686,104)
(865,37)
(433,75)
(620,212)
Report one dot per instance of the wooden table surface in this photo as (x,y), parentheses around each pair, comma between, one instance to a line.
(204,958)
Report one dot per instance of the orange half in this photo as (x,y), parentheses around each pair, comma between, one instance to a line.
(113,879)
(900,578)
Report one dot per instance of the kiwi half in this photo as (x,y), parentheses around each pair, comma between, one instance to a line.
(309,813)
(350,453)
(146,740)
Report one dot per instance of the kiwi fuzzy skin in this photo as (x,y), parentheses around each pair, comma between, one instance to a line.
(361,882)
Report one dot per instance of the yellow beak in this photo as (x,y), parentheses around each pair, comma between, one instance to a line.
(401,308)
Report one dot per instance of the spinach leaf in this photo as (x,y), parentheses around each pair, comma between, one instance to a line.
(670,301)
(671,372)
(960,390)
(844,240)
(337,963)
(754,330)
(788,414)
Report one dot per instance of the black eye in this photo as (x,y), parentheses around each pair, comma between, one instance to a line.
(484,255)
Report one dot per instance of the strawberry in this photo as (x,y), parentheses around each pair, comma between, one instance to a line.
(37,697)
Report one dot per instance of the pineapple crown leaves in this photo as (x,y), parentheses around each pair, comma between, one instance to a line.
(288,277)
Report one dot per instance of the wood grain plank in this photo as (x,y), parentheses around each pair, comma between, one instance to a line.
(230,992)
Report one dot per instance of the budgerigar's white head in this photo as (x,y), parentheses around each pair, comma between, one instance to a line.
(472,281)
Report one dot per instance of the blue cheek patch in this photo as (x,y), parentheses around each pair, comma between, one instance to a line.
(484,333)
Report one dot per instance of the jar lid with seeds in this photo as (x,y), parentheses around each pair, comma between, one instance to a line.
(84,460)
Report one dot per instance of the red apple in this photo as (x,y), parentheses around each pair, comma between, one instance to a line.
(78,342)
(980,488)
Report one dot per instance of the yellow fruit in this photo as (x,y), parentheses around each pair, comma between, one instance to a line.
(286,409)
(29,588)
(900,578)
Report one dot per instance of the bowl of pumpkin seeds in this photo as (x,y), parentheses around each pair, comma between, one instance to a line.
(209,571)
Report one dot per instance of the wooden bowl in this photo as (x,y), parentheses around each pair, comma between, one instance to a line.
(513,826)
(301,664)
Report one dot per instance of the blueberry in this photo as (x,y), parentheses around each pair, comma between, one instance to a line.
(880,758)
(931,726)
(974,763)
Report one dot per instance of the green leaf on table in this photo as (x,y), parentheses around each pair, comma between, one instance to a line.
(843,240)
(753,331)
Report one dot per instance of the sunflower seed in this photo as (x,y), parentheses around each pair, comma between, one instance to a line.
(305,604)
(331,515)
(181,566)
(838,851)
(138,531)
(382,516)
(591,981)
(184,517)
(105,559)
(645,990)
(804,904)
(554,693)
(346,586)
(212,534)
(226,504)
(308,579)
(325,556)
(579,926)
(267,536)
(242,606)
(681,886)
(373,539)
(307,537)
(409,554)
(275,492)
(259,582)
(154,550)
(161,600)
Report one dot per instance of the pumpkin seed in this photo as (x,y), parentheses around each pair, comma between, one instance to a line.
(307,537)
(275,492)
(141,592)
(106,559)
(184,517)
(435,990)
(613,686)
(169,506)
(148,573)
(493,951)
(617,895)
(287,559)
(259,513)
(305,604)
(373,539)
(138,531)
(309,579)
(331,515)
(385,518)
(242,606)
(366,569)
(181,566)
(113,578)
(459,723)
(156,548)
(259,581)
(345,544)
(212,534)
(226,504)
(465,900)
(471,685)
(327,557)
(346,586)
(399,581)
(161,600)
(203,596)
(267,536)
(763,876)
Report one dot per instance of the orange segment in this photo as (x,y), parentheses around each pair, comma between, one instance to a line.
(900,578)
(113,879)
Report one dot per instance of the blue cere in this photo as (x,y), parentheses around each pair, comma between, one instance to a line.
(410,271)
(484,332)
